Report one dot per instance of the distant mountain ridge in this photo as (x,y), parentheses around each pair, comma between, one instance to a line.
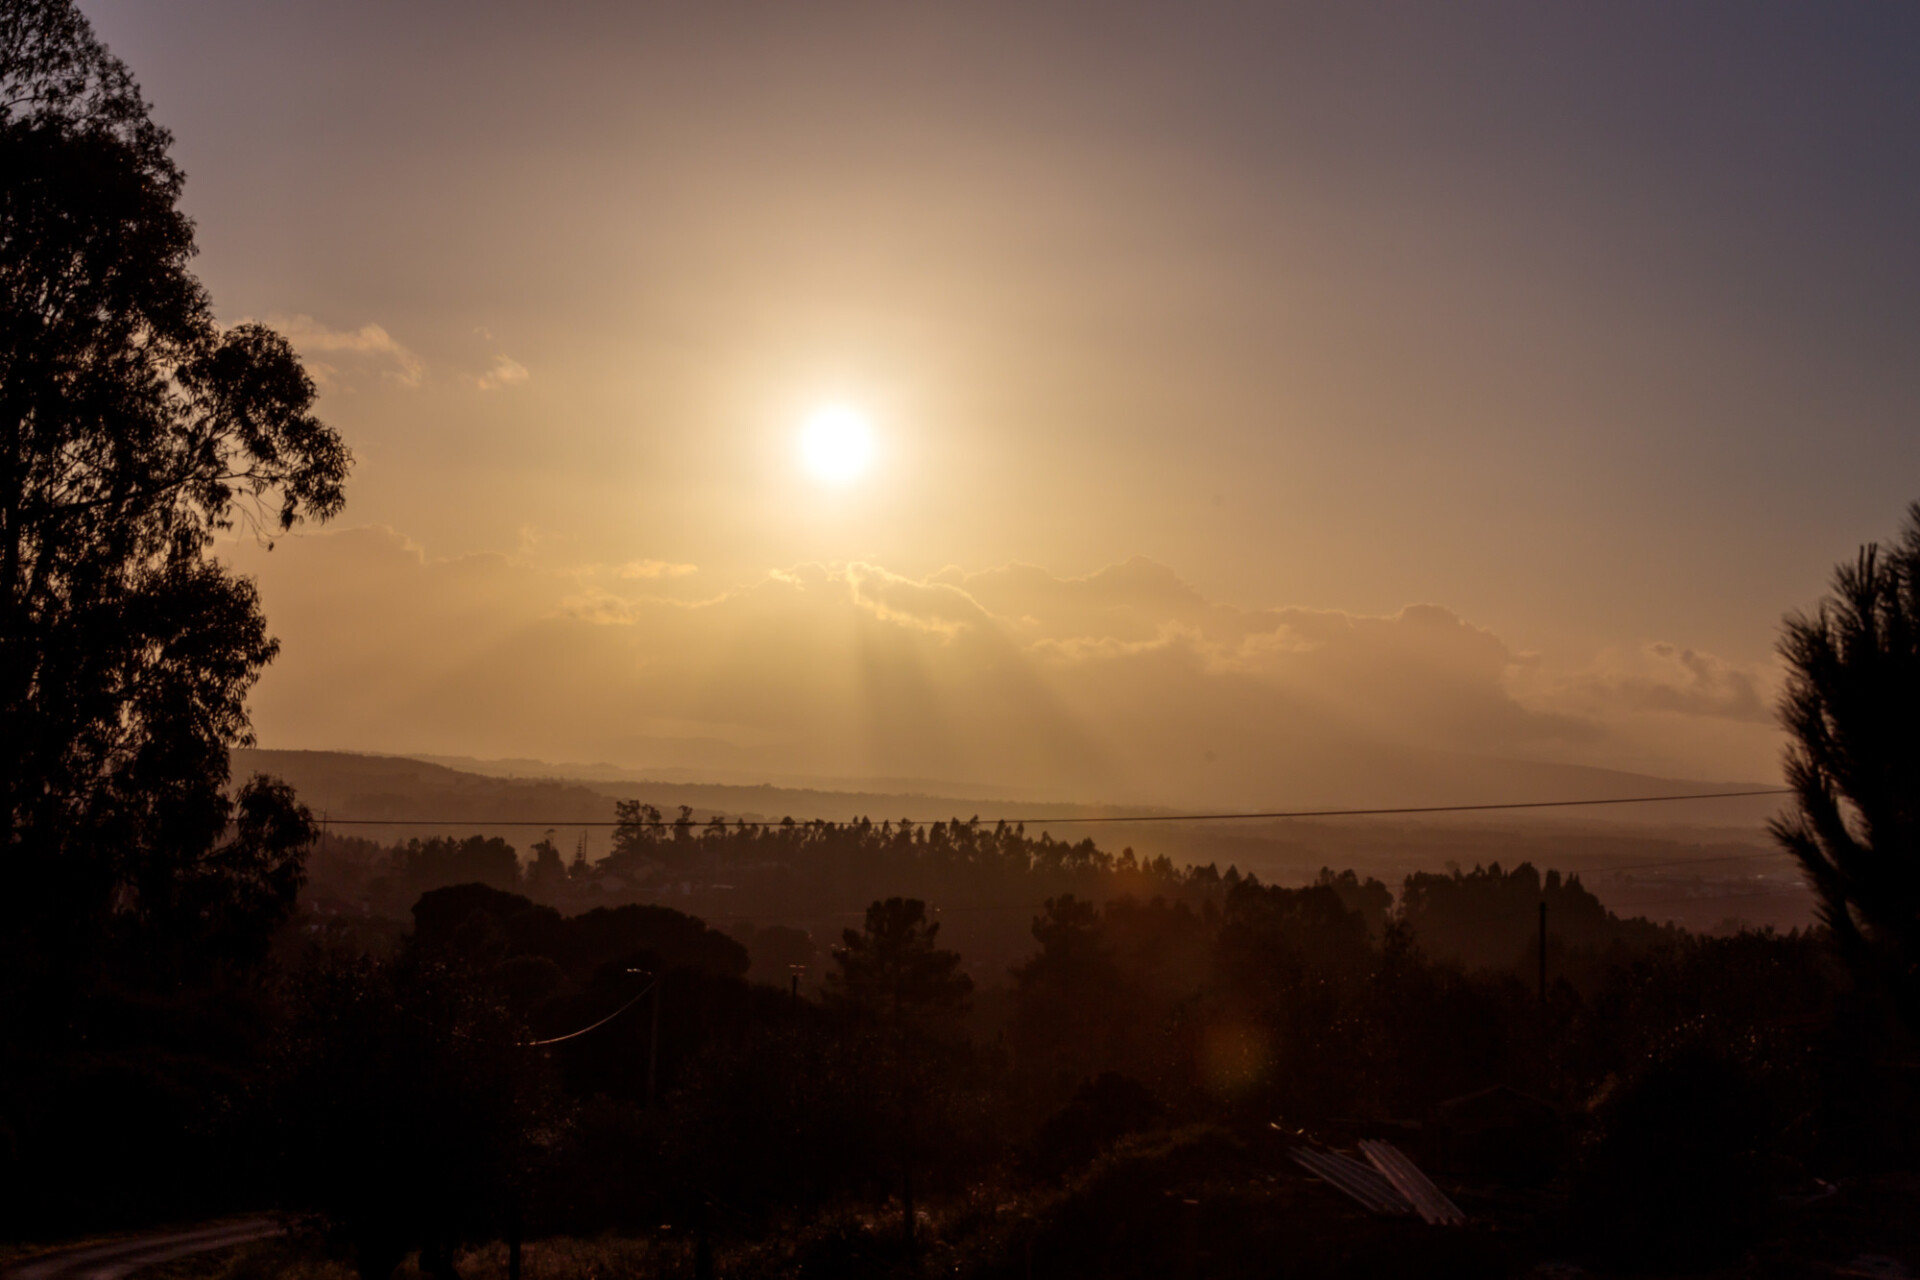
(393,798)
(386,791)
(382,789)
(600,772)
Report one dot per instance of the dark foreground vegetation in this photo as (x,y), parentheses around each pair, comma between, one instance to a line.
(1122,1102)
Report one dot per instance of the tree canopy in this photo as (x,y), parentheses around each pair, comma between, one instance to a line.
(133,428)
(1852,706)
(894,966)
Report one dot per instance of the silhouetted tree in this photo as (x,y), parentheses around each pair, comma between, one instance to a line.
(403,1110)
(784,1116)
(1487,916)
(1369,897)
(1074,1007)
(893,967)
(548,872)
(776,951)
(132,428)
(1852,704)
(1677,1172)
(442,860)
(893,971)
(635,837)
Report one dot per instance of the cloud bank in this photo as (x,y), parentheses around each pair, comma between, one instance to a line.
(331,354)
(1123,684)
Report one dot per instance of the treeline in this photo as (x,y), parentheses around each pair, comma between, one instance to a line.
(501,1068)
(765,882)
(822,862)
(518,1056)
(769,1129)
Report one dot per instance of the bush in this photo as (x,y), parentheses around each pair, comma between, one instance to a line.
(1101,1111)
(1677,1171)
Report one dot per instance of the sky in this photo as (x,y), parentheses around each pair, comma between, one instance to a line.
(1256,393)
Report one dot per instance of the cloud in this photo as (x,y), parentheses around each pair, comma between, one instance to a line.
(1129,601)
(936,607)
(1423,674)
(650,569)
(370,346)
(1664,677)
(504,372)
(1126,683)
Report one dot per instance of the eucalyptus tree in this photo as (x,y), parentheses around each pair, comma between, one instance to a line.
(134,428)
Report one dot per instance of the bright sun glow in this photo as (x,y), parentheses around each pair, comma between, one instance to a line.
(836,444)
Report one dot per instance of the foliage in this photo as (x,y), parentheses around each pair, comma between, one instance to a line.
(893,968)
(482,925)
(1852,704)
(782,1118)
(142,1125)
(809,876)
(132,429)
(53,69)
(1677,1172)
(404,1109)
(1489,917)
(1372,899)
(1102,1109)
(1075,1008)
(425,864)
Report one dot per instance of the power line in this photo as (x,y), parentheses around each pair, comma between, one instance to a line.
(1137,818)
(536,1044)
(1111,819)
(1412,809)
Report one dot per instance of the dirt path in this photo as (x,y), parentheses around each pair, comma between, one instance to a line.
(126,1257)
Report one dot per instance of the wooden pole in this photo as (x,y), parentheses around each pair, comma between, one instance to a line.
(653,1042)
(1543,951)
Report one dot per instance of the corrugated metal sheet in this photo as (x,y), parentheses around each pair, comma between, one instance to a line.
(1427,1200)
(1358,1180)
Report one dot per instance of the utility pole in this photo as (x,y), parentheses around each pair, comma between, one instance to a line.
(653,1036)
(1543,953)
(703,1247)
(653,1039)
(1189,1239)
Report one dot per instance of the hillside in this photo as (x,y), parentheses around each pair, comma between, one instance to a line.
(1698,863)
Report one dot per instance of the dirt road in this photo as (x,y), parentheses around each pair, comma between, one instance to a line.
(127,1257)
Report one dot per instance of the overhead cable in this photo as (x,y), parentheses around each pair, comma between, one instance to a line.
(1403,810)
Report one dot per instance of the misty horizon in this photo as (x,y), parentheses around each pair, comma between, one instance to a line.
(1181,443)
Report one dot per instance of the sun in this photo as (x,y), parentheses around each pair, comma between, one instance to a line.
(836,444)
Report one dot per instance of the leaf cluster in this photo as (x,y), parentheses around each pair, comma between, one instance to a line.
(1852,706)
(133,428)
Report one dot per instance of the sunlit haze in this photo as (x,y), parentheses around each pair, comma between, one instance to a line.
(1123,406)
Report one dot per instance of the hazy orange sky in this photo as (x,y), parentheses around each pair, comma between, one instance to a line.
(1244,379)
